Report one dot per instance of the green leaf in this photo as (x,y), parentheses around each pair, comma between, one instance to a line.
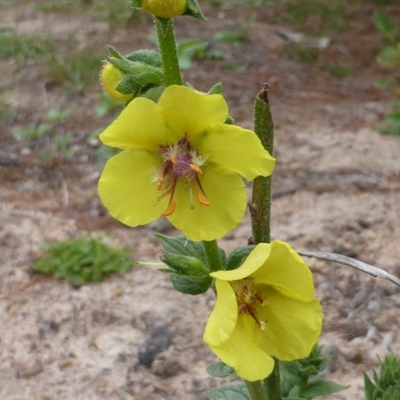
(234,392)
(320,387)
(184,246)
(220,370)
(369,387)
(238,256)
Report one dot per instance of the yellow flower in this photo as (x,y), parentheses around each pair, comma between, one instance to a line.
(164,8)
(110,77)
(181,160)
(264,308)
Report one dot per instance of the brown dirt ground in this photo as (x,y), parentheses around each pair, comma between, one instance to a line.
(336,188)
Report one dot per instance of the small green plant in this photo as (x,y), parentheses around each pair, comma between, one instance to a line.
(326,17)
(82,260)
(32,131)
(191,49)
(386,385)
(58,140)
(389,58)
(75,70)
(21,47)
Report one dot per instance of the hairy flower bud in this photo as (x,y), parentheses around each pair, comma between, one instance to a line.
(110,77)
(164,8)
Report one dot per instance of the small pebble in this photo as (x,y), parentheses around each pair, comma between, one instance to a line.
(28,367)
(157,342)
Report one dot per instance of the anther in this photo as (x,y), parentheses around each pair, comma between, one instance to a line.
(173,160)
(195,168)
(160,183)
(170,209)
(202,200)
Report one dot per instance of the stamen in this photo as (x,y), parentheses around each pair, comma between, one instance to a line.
(171,209)
(173,159)
(202,200)
(195,168)
(160,183)
(191,200)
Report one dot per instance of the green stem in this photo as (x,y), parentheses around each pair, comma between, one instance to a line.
(260,207)
(169,55)
(213,255)
(273,384)
(255,389)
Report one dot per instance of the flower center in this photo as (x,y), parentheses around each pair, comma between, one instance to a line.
(181,163)
(249,300)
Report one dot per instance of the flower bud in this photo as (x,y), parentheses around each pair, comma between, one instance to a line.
(110,77)
(164,8)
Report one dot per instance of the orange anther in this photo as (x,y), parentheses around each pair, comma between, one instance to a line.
(160,183)
(202,200)
(195,168)
(173,160)
(170,209)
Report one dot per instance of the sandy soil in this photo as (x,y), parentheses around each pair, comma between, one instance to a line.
(336,188)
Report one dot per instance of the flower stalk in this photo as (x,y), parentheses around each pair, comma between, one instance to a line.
(273,384)
(213,256)
(261,211)
(169,54)
(260,207)
(255,390)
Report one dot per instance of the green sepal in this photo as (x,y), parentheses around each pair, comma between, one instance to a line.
(193,10)
(139,78)
(186,265)
(238,256)
(189,272)
(216,89)
(113,52)
(186,285)
(146,56)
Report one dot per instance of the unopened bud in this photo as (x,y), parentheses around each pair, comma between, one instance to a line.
(164,8)
(111,77)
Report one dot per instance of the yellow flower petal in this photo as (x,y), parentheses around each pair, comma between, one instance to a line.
(293,327)
(241,353)
(189,112)
(287,272)
(228,198)
(235,149)
(138,125)
(127,190)
(252,263)
(223,319)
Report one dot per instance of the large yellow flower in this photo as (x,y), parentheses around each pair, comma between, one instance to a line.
(264,308)
(181,160)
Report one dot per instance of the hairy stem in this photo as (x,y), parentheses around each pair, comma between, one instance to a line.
(169,55)
(213,255)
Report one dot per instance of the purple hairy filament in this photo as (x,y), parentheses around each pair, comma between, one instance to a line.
(181,162)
